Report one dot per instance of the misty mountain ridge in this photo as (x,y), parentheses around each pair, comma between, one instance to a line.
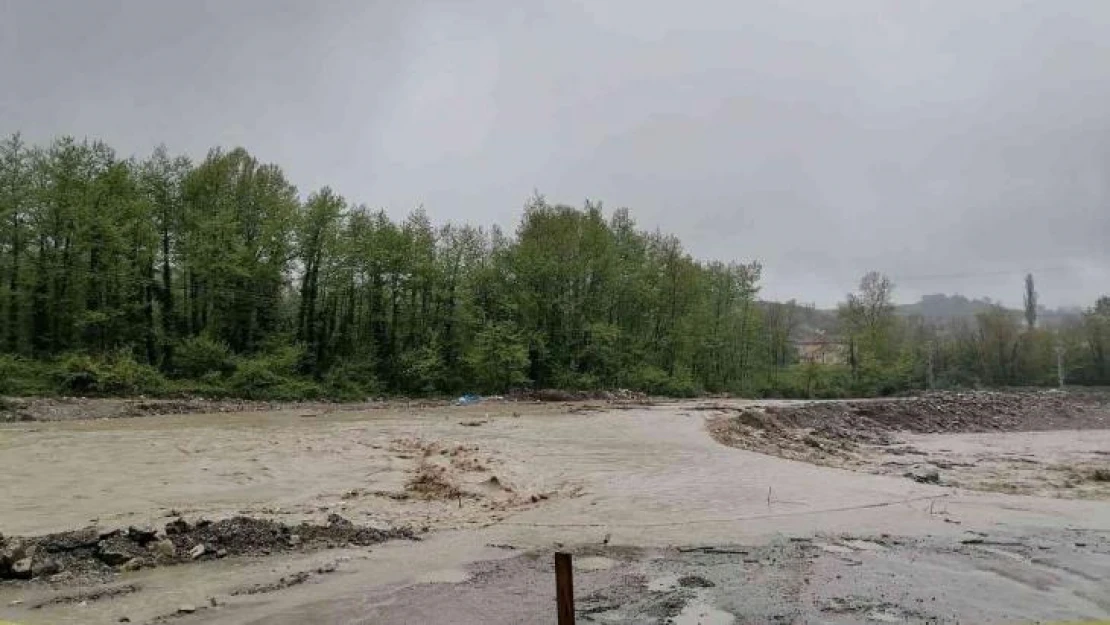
(939,306)
(814,323)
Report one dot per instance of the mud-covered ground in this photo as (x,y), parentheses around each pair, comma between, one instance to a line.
(22,409)
(667,524)
(1032,443)
(840,579)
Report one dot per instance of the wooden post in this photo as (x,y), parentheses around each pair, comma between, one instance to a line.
(564,588)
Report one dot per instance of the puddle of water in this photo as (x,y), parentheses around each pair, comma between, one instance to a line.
(883,616)
(444,576)
(865,545)
(699,612)
(596,563)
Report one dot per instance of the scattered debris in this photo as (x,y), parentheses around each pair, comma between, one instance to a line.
(282,583)
(87,596)
(924,475)
(695,581)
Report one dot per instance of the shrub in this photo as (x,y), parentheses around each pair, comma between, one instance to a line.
(352,381)
(115,374)
(655,381)
(200,356)
(422,369)
(254,379)
(272,375)
(126,376)
(19,376)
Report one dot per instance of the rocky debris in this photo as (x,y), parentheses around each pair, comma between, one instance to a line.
(45,567)
(187,608)
(119,549)
(829,432)
(89,553)
(924,475)
(22,569)
(951,412)
(9,553)
(88,596)
(337,521)
(141,535)
(282,583)
(177,526)
(164,549)
(695,581)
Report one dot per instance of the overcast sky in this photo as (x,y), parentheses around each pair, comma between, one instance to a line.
(954,145)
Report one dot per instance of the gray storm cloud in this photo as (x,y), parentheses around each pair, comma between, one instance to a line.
(954,146)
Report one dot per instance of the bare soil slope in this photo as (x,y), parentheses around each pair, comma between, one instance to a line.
(976,440)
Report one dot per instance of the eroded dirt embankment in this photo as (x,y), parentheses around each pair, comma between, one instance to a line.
(92,554)
(981,440)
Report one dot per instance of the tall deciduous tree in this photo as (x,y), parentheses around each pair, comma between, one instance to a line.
(1030,301)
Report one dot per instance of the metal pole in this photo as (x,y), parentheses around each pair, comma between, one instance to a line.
(929,367)
(564,588)
(1060,365)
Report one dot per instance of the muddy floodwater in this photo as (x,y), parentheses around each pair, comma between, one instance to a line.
(667,523)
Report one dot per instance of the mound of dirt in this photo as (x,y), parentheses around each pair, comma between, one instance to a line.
(823,431)
(95,553)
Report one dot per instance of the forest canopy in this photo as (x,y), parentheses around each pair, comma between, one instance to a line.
(162,275)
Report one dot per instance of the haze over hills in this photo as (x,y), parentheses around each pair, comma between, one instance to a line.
(813,322)
(939,306)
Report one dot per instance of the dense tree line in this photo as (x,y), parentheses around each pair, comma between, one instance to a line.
(161,275)
(998,347)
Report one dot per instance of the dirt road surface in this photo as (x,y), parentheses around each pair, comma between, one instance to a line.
(668,525)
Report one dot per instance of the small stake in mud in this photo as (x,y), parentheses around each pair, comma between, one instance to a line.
(564,588)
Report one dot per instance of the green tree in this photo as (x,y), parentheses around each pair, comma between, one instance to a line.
(498,359)
(1030,301)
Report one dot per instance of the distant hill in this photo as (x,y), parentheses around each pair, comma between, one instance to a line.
(942,307)
(812,323)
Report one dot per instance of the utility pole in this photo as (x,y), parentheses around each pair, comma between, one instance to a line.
(929,366)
